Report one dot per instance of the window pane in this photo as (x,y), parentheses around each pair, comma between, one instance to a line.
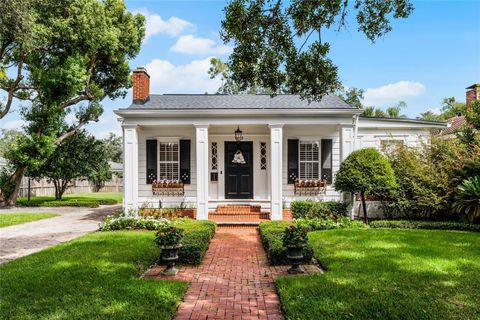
(309,160)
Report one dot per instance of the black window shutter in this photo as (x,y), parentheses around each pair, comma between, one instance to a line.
(326,151)
(292,150)
(151,160)
(185,161)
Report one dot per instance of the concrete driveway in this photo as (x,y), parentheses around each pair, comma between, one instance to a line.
(23,239)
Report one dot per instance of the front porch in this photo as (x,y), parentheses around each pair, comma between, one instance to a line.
(229,180)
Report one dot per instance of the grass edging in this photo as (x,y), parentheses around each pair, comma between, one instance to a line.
(432,225)
(271,233)
(14,218)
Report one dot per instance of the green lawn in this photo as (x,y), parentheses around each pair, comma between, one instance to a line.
(93,199)
(9,219)
(388,274)
(93,277)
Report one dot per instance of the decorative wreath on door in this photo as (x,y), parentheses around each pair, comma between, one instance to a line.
(238,158)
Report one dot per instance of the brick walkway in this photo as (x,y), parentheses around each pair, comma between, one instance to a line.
(23,239)
(234,280)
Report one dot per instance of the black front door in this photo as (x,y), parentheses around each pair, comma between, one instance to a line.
(238,170)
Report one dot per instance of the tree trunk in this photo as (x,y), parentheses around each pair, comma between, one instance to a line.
(63,188)
(11,200)
(364,205)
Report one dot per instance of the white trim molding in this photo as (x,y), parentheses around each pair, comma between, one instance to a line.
(201,142)
(276,161)
(130,174)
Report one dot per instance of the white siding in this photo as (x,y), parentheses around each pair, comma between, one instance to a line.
(167,133)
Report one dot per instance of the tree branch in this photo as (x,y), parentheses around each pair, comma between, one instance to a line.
(13,87)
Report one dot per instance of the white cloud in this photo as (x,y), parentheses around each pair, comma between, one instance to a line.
(188,78)
(436,111)
(155,24)
(393,92)
(13,124)
(190,44)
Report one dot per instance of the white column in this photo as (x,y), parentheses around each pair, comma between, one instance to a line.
(276,162)
(202,171)
(346,141)
(130,168)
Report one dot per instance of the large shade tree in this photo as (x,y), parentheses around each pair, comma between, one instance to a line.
(366,172)
(80,156)
(73,54)
(278,43)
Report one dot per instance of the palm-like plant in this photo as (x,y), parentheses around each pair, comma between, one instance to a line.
(467,199)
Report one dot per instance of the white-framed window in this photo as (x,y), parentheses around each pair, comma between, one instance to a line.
(263,156)
(214,160)
(309,160)
(168,160)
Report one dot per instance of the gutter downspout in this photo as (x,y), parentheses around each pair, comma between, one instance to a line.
(355,135)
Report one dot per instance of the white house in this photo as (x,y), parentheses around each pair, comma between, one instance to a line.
(244,149)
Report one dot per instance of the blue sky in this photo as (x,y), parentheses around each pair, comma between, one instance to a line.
(433,54)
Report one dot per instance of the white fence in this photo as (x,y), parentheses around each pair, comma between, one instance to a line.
(44,188)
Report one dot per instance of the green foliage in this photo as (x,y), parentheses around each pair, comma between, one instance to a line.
(113,145)
(294,236)
(329,224)
(80,156)
(94,277)
(9,219)
(67,201)
(320,210)
(265,34)
(366,171)
(449,109)
(423,195)
(271,234)
(7,137)
(387,274)
(70,52)
(467,199)
(352,96)
(112,223)
(412,224)
(196,240)
(168,236)
(390,112)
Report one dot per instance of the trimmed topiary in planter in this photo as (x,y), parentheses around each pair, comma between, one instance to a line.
(168,240)
(295,239)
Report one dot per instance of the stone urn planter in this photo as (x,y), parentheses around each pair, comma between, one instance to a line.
(169,257)
(168,240)
(295,239)
(295,255)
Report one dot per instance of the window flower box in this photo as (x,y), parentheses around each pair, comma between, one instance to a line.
(310,187)
(168,188)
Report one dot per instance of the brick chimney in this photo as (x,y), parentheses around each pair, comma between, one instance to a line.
(473,93)
(141,85)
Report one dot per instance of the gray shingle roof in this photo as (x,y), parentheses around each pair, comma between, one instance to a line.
(241,101)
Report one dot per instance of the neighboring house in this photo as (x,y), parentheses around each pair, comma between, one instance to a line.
(457,123)
(281,140)
(3,162)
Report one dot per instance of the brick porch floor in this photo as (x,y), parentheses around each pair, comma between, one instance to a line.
(234,280)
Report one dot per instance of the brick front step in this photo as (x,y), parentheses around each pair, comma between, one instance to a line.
(239,217)
(237,209)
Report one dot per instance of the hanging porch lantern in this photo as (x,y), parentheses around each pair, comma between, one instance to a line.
(238,134)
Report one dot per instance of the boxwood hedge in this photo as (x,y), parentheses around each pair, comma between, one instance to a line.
(319,210)
(271,233)
(406,224)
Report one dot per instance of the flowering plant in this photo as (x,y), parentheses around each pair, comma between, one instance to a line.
(165,183)
(168,236)
(295,236)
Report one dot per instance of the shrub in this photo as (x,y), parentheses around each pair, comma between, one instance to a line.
(111,223)
(328,224)
(295,236)
(271,234)
(406,224)
(197,237)
(168,236)
(316,209)
(366,171)
(467,200)
(50,202)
